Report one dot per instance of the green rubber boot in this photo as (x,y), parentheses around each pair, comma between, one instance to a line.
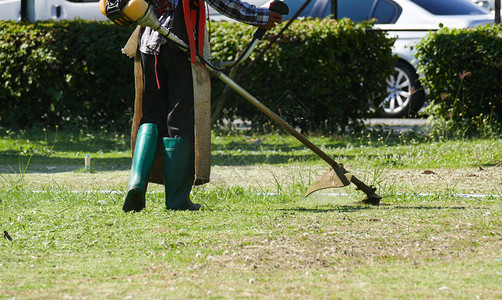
(142,162)
(179,173)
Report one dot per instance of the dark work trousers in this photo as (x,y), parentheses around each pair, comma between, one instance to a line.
(168,93)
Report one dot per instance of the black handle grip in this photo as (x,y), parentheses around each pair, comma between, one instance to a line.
(278,7)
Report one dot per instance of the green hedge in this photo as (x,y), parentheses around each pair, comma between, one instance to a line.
(65,73)
(462,68)
(322,75)
(71,73)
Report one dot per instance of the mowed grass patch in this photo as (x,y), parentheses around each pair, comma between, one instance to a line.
(249,244)
(256,236)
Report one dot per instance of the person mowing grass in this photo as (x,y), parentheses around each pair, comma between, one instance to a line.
(166,98)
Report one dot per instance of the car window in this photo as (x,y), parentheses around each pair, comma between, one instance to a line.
(295,5)
(319,8)
(386,12)
(356,10)
(450,7)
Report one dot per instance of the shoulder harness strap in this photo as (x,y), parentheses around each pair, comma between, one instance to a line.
(195,22)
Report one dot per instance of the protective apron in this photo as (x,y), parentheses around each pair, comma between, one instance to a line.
(202,113)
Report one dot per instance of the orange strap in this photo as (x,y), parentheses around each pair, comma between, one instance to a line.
(191,20)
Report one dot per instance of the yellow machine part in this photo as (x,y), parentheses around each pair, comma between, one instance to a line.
(134,9)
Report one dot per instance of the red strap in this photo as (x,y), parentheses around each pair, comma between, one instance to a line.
(156,73)
(190,22)
(166,6)
(189,26)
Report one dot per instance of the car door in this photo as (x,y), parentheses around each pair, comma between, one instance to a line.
(10,10)
(386,12)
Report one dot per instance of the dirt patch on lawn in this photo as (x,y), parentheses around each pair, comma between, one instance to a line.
(486,180)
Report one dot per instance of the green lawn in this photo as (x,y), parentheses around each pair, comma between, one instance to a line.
(256,236)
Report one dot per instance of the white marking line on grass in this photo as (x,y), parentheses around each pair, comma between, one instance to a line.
(464,195)
(113,192)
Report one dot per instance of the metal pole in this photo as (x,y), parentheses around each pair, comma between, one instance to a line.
(497,11)
(334,8)
(24,10)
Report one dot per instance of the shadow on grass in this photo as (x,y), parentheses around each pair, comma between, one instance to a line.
(252,159)
(356,207)
(276,145)
(15,159)
(243,153)
(340,209)
(12,164)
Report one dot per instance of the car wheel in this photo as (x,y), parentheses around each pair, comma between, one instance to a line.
(405,94)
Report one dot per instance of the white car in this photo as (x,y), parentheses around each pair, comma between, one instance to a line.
(409,21)
(10,10)
(36,10)
(488,4)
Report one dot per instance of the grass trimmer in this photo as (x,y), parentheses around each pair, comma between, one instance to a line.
(126,12)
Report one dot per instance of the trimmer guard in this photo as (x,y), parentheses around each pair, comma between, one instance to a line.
(329,180)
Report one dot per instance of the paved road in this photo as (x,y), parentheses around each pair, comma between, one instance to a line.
(398,125)
(396,122)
